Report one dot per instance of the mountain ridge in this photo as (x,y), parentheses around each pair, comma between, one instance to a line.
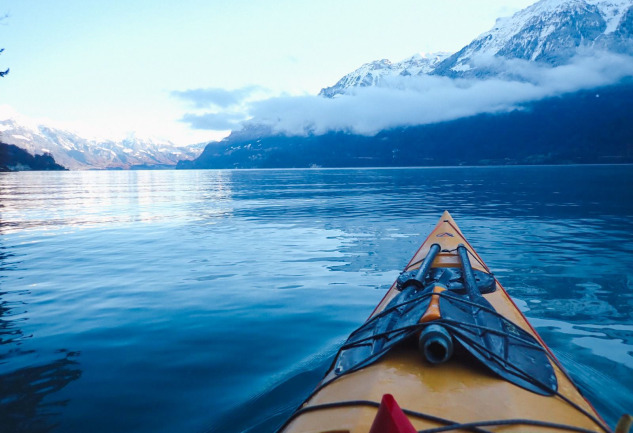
(551,32)
(79,153)
(14,158)
(540,53)
(556,130)
(374,73)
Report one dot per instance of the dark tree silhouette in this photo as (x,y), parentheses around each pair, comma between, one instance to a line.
(3,73)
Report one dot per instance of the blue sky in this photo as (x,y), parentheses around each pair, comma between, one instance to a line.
(109,68)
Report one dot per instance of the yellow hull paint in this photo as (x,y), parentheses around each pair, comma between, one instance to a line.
(455,390)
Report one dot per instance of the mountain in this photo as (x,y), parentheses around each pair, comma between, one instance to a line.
(549,32)
(13,158)
(557,130)
(586,119)
(375,73)
(78,153)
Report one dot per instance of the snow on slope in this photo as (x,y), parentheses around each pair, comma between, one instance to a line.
(549,32)
(375,73)
(78,153)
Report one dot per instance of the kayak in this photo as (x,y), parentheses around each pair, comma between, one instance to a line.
(446,350)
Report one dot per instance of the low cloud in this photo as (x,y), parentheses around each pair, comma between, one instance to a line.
(215,121)
(409,101)
(217,97)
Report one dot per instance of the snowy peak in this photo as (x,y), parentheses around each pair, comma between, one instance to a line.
(375,73)
(549,32)
(421,63)
(369,74)
(78,153)
(612,11)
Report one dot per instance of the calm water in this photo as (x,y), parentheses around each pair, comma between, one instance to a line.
(197,301)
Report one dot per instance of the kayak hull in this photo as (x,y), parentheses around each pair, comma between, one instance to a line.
(457,391)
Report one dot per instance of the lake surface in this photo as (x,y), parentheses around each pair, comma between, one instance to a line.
(197,301)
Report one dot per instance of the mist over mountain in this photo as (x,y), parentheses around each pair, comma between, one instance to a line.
(379,72)
(591,126)
(79,153)
(520,76)
(547,33)
(550,32)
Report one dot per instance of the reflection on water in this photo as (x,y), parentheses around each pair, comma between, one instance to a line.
(197,297)
(25,405)
(74,199)
(43,200)
(27,402)
(599,358)
(268,410)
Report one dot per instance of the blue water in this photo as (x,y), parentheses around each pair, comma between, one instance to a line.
(196,301)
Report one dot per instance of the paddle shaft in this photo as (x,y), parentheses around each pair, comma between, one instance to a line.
(476,298)
(427,262)
(469,276)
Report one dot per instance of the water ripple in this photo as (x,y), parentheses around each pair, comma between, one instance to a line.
(178,299)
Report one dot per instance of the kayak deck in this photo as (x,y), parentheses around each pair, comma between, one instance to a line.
(457,391)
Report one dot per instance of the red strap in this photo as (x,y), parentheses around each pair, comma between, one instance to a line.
(390,418)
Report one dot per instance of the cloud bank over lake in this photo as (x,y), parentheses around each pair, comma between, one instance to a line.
(406,100)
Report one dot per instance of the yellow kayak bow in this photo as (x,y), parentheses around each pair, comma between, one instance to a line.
(454,351)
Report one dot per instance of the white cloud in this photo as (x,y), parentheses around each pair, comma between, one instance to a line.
(215,121)
(222,98)
(408,101)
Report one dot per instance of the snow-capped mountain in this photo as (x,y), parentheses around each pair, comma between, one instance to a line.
(548,32)
(78,153)
(375,73)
